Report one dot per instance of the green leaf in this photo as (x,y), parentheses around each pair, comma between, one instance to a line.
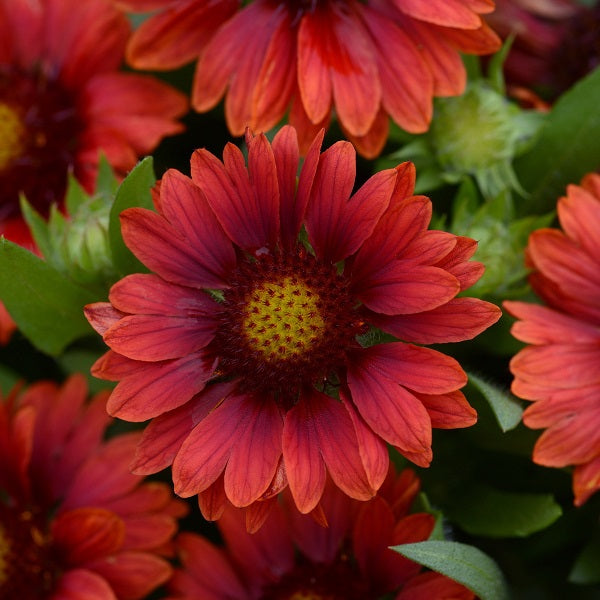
(586,570)
(466,564)
(485,511)
(106,182)
(567,147)
(47,307)
(134,191)
(75,196)
(506,407)
(38,228)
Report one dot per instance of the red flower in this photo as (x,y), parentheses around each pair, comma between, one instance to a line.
(556,43)
(62,100)
(74,522)
(368,60)
(559,370)
(293,556)
(238,343)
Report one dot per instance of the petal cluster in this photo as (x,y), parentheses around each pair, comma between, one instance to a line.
(558,370)
(294,556)
(368,61)
(64,100)
(244,434)
(74,522)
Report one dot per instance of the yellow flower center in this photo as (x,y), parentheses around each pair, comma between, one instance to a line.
(308,595)
(12,133)
(283,319)
(4,553)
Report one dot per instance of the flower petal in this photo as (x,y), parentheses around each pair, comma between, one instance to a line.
(337,226)
(155,388)
(304,464)
(338,445)
(82,584)
(256,452)
(420,369)
(457,320)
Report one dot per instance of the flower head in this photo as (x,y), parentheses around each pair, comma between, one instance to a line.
(367,60)
(556,43)
(74,522)
(62,100)
(246,347)
(558,371)
(295,558)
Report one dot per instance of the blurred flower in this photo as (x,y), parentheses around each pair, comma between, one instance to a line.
(556,43)
(62,100)
(238,343)
(74,522)
(559,370)
(293,556)
(368,60)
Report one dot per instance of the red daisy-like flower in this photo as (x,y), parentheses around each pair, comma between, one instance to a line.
(368,60)
(237,344)
(62,100)
(294,557)
(75,524)
(559,371)
(556,43)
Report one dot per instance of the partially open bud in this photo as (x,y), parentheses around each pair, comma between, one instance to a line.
(479,134)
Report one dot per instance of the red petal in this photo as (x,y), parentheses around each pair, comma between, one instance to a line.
(155,388)
(286,153)
(579,215)
(256,452)
(165,434)
(390,410)
(276,81)
(186,208)
(562,261)
(101,316)
(167,252)
(442,58)
(210,569)
(314,80)
(449,13)
(543,325)
(402,288)
(559,365)
(402,222)
(337,226)
(458,320)
(81,584)
(406,82)
(338,445)
(85,534)
(586,480)
(304,465)
(177,35)
(134,574)
(373,452)
(573,440)
(205,452)
(421,369)
(449,411)
(251,223)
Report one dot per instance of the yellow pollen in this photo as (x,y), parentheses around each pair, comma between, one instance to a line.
(4,552)
(12,133)
(283,319)
(308,595)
